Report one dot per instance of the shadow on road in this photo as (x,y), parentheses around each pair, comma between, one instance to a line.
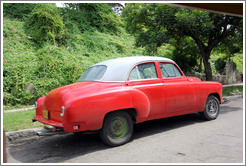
(59,148)
(227,108)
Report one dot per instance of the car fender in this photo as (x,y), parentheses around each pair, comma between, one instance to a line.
(204,92)
(39,107)
(141,103)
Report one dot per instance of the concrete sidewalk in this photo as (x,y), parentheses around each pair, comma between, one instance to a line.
(18,110)
(239,84)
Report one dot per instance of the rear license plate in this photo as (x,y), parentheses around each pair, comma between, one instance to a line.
(46,114)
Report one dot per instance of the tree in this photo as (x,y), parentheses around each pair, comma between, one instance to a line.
(157,23)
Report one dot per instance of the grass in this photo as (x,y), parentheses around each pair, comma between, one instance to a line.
(232,90)
(19,120)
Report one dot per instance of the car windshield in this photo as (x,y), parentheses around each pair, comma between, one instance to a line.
(94,73)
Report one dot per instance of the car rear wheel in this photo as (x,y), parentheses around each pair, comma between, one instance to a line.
(212,108)
(117,129)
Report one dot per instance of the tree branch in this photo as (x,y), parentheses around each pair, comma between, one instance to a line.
(197,40)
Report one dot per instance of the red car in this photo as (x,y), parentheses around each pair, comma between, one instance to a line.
(113,95)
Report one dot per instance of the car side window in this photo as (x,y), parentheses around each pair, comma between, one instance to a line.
(143,71)
(169,70)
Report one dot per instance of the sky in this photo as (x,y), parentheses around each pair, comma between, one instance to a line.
(62,4)
(59,4)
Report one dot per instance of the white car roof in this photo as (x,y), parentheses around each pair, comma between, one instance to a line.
(119,69)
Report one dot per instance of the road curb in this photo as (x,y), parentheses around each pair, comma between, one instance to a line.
(228,98)
(21,134)
(18,110)
(16,135)
(240,84)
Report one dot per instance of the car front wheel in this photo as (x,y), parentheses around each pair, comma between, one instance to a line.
(117,129)
(212,108)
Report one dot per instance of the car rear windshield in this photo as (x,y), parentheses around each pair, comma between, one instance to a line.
(94,73)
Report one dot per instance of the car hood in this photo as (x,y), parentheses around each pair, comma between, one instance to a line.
(62,96)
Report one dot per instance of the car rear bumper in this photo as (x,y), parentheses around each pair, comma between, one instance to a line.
(48,122)
(66,126)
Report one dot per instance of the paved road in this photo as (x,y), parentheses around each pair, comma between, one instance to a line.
(183,139)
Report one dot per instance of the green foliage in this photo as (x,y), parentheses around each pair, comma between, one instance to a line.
(17,62)
(17,10)
(91,17)
(186,54)
(101,45)
(155,24)
(140,21)
(238,59)
(45,24)
(54,69)
(196,21)
(231,45)
(52,66)
(151,40)
(166,50)
(219,58)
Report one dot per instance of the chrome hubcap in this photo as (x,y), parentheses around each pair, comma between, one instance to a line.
(212,107)
(118,128)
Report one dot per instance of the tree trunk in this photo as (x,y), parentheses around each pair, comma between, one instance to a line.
(200,66)
(207,66)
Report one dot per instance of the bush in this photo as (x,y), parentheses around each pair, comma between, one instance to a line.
(17,10)
(220,64)
(45,24)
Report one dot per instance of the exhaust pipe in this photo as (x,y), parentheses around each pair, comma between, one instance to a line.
(50,131)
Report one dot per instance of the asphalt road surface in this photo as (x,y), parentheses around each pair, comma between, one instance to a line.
(182,139)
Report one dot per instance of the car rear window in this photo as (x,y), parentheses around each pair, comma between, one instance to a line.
(94,73)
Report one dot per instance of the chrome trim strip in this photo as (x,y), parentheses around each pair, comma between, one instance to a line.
(63,111)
